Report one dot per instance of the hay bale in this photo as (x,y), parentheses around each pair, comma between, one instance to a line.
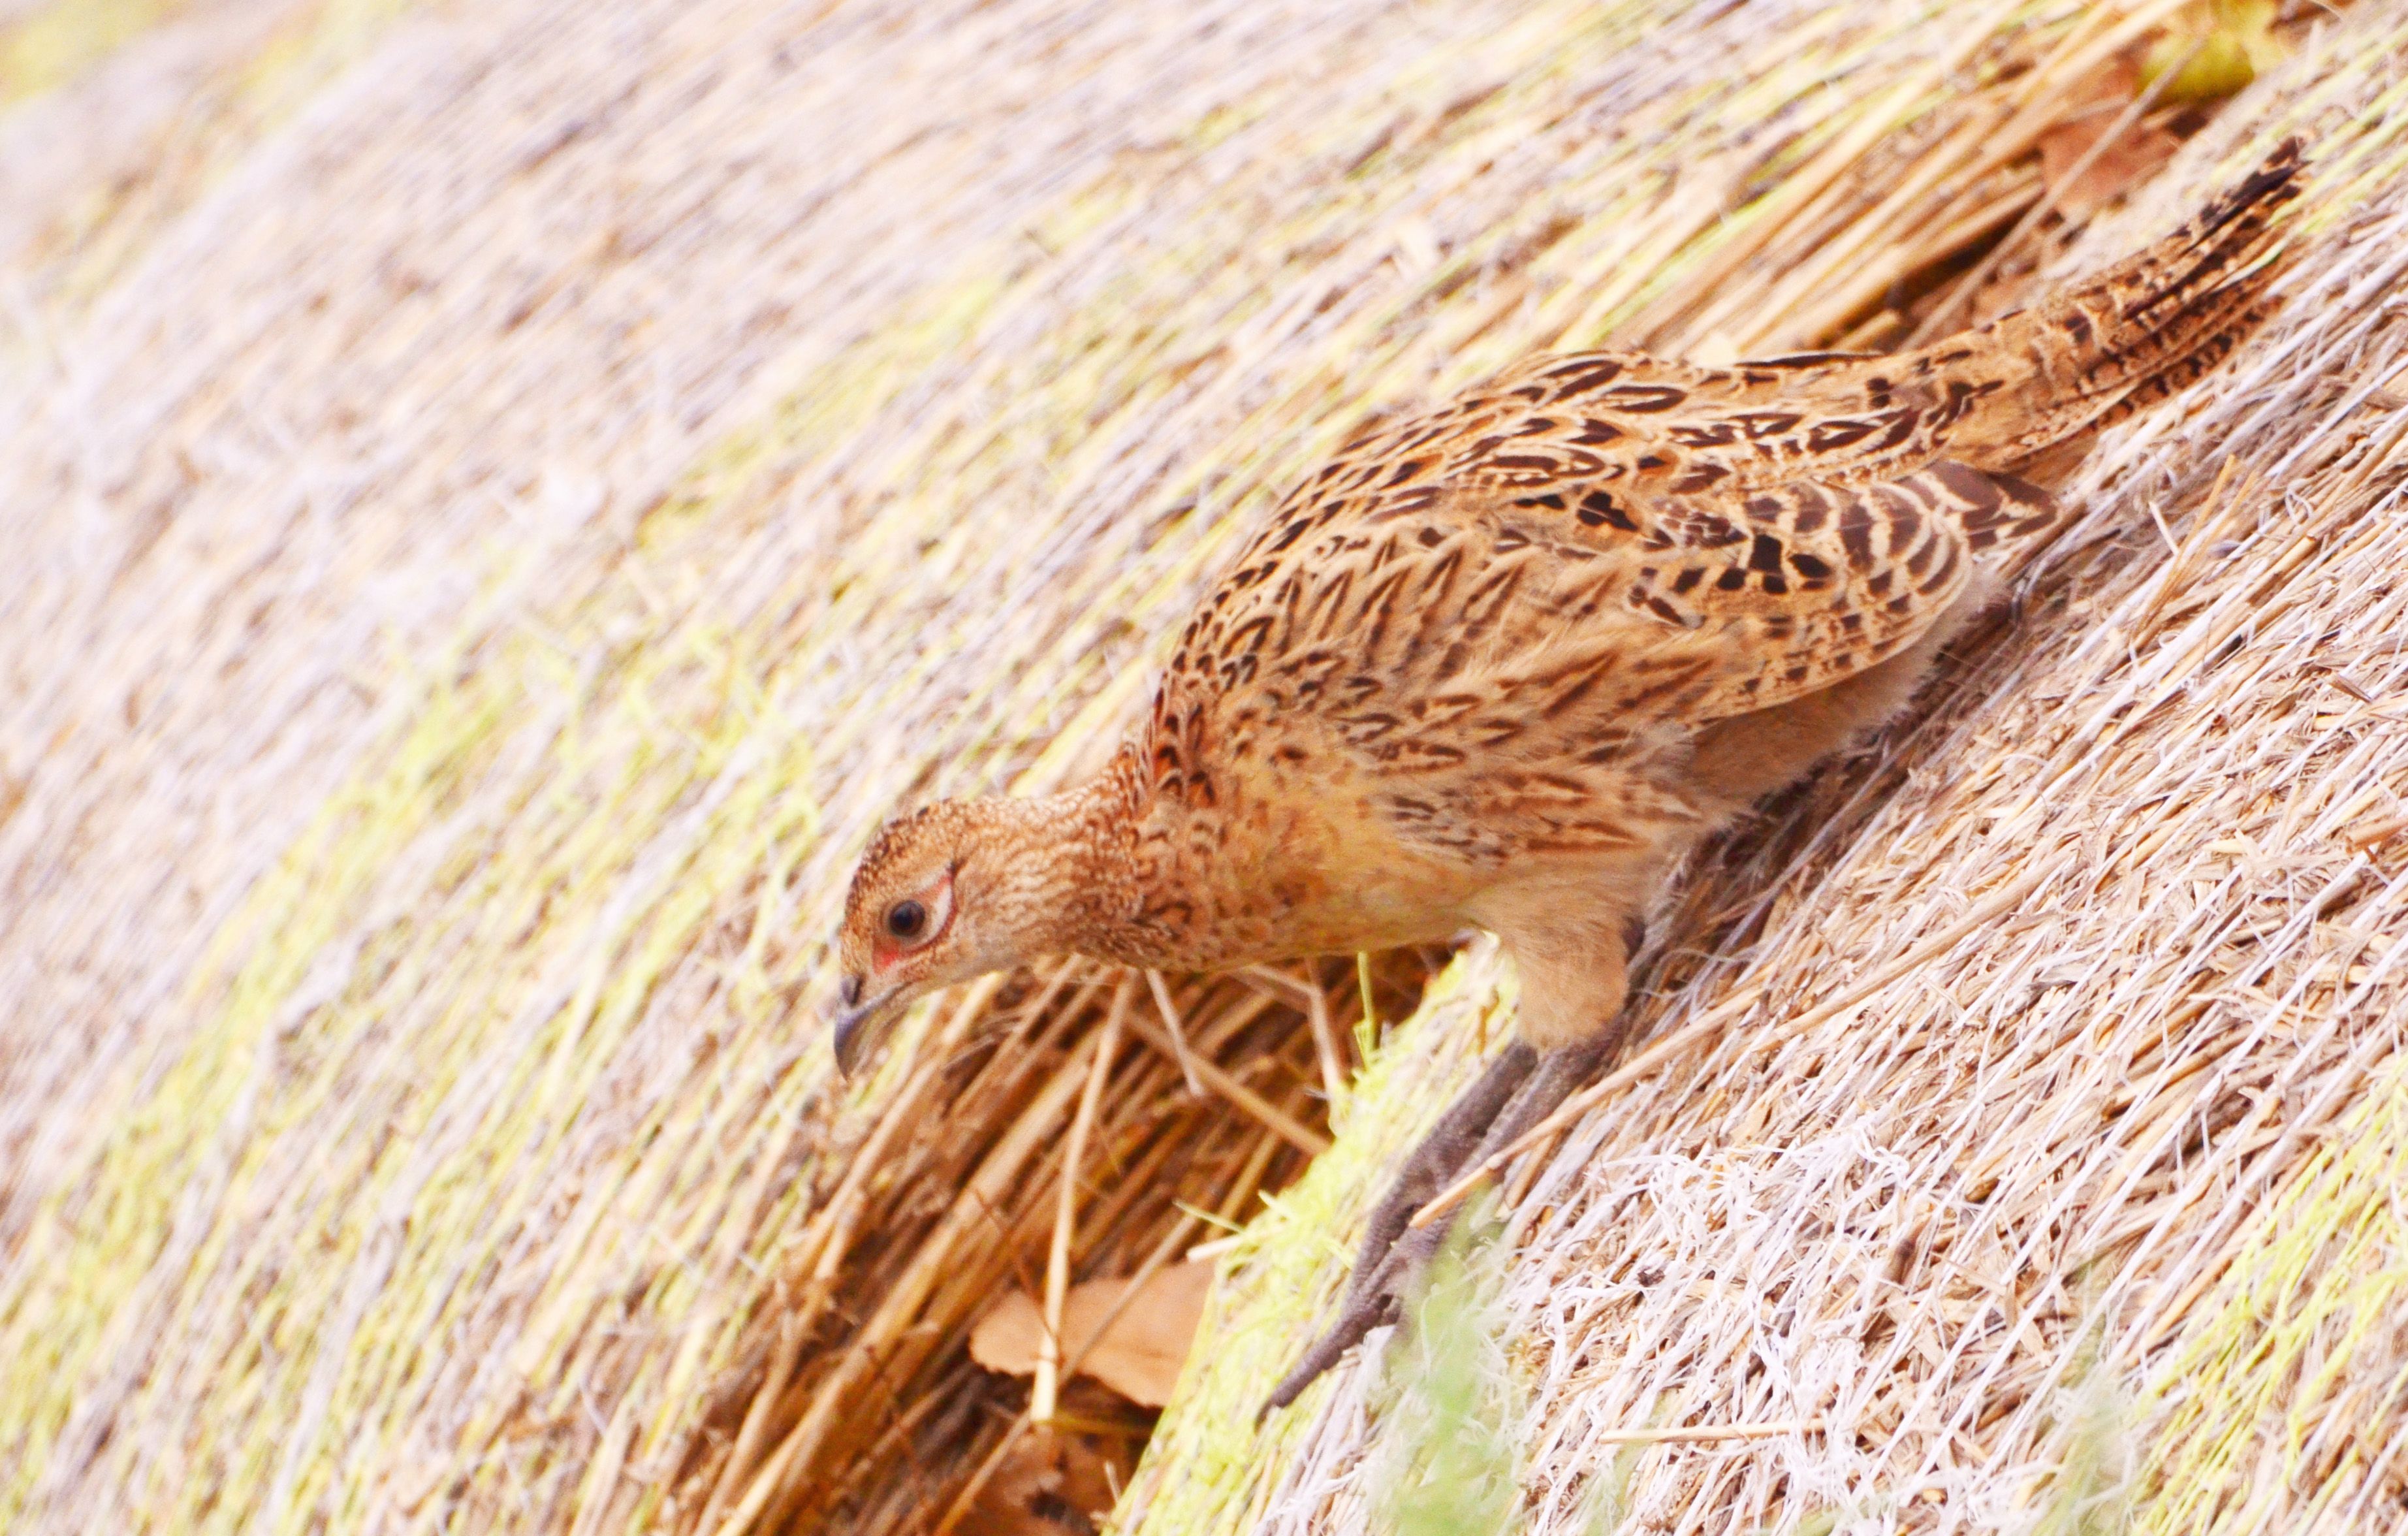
(507,498)
(2022,1145)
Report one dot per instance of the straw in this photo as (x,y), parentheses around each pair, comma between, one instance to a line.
(1057,1257)
(505,500)
(2011,1103)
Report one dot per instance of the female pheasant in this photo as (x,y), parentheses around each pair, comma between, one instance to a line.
(1503,664)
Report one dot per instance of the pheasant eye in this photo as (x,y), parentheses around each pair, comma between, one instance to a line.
(907,920)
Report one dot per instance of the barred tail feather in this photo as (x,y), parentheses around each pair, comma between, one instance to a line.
(2133,333)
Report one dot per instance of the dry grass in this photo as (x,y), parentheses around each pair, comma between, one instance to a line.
(496,532)
(2096,1192)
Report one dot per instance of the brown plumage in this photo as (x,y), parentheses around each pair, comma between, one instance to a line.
(1504,663)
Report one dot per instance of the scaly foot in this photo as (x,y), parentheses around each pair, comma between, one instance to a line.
(1518,1089)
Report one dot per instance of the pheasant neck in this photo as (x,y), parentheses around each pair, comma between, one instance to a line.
(1068,864)
(1106,811)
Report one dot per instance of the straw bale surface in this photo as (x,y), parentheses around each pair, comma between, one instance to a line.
(2032,1149)
(504,497)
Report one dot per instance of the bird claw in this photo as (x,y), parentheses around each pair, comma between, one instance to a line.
(1375,1300)
(1506,1101)
(1518,1089)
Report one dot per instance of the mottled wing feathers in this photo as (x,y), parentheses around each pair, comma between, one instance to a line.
(1613,605)
(1497,671)
(1494,612)
(1625,421)
(1505,604)
(1816,581)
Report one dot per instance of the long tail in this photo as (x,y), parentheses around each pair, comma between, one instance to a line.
(2132,334)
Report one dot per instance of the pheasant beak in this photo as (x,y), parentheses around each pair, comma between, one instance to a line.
(851,1023)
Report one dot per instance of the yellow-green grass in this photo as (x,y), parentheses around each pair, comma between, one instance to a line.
(53,44)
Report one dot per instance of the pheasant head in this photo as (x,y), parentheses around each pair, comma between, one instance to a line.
(964,887)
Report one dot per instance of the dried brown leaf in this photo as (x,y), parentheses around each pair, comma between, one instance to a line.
(1141,1350)
(2104,90)
(2131,158)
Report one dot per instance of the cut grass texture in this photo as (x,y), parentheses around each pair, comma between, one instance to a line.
(2071,1223)
(497,536)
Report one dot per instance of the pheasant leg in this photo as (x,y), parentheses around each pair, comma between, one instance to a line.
(1444,1153)
(1519,1089)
